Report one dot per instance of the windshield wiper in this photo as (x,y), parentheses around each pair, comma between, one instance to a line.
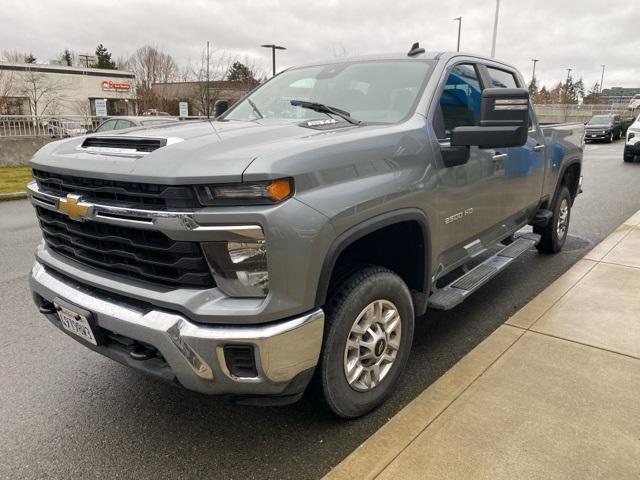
(319,107)
(255,109)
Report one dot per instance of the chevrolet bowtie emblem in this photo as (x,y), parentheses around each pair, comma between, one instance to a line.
(75,207)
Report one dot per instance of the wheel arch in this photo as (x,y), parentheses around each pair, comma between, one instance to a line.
(367,228)
(569,176)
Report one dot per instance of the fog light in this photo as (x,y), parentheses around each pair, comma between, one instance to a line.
(239,268)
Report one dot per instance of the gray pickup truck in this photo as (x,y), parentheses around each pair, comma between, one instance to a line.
(295,239)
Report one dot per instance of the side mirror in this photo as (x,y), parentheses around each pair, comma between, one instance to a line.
(220,107)
(504,120)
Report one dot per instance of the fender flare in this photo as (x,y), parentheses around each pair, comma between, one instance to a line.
(563,169)
(369,226)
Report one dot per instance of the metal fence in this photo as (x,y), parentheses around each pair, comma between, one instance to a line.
(57,126)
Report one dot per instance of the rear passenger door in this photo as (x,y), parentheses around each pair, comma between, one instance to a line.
(523,167)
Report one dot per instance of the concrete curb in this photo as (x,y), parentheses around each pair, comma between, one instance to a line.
(378,452)
(12,196)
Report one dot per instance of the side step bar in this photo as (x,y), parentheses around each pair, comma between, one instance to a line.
(453,294)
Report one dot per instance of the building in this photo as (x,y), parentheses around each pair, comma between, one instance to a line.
(196,94)
(620,91)
(30,89)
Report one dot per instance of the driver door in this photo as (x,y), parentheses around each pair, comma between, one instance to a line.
(470,197)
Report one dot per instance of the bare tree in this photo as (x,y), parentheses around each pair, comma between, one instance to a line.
(214,66)
(6,86)
(44,94)
(14,56)
(150,66)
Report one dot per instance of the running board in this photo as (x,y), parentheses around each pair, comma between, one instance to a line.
(456,292)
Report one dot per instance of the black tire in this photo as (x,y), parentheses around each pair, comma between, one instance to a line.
(551,241)
(628,158)
(346,303)
(610,137)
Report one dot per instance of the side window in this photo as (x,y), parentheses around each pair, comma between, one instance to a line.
(106,126)
(460,101)
(123,124)
(502,78)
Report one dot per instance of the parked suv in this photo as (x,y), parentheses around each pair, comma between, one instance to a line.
(632,143)
(297,237)
(604,127)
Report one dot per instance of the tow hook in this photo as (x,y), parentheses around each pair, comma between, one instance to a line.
(140,352)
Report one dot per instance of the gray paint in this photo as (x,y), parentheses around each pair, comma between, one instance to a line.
(343,177)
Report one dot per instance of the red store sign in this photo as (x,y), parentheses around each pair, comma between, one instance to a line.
(109,86)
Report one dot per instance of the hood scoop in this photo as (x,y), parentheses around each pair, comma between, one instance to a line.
(121,145)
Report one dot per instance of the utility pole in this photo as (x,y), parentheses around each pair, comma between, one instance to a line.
(569,70)
(459,19)
(533,76)
(602,78)
(495,30)
(273,48)
(208,77)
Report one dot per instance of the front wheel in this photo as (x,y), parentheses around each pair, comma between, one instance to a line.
(368,336)
(554,234)
(610,137)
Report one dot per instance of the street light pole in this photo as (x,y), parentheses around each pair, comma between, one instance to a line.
(495,30)
(569,70)
(459,19)
(273,48)
(602,78)
(533,76)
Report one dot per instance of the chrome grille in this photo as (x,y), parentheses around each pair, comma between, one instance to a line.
(143,196)
(136,253)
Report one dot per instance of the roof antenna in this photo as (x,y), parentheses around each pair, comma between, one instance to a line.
(415,50)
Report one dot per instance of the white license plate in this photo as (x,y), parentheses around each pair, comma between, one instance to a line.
(75,323)
(593,135)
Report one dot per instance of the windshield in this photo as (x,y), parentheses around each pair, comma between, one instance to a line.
(600,120)
(372,92)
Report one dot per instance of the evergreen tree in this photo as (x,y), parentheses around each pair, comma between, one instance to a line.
(30,58)
(103,58)
(67,58)
(239,72)
(593,95)
(533,89)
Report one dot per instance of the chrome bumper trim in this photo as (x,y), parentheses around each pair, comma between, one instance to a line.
(152,219)
(283,349)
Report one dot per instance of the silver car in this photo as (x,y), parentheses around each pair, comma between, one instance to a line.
(119,123)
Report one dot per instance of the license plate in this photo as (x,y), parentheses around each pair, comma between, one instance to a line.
(76,323)
(593,135)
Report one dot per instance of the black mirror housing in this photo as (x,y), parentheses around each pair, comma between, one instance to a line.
(504,120)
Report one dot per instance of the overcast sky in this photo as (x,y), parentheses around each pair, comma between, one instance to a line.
(577,34)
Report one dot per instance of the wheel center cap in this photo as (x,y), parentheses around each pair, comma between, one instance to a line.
(380,347)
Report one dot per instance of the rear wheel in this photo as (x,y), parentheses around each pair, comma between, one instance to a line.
(368,335)
(610,137)
(554,234)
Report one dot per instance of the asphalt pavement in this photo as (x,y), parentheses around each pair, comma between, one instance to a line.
(66,412)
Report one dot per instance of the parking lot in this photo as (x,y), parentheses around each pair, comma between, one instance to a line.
(67,412)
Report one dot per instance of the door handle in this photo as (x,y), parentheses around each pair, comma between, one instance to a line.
(499,156)
(538,148)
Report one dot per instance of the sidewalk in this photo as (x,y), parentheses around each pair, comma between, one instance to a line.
(553,393)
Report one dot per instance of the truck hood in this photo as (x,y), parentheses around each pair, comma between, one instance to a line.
(195,152)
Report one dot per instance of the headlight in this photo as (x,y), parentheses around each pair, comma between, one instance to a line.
(250,193)
(239,268)
(630,136)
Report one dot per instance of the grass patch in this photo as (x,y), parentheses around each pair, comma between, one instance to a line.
(14,179)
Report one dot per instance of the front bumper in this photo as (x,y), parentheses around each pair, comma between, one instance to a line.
(596,135)
(191,354)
